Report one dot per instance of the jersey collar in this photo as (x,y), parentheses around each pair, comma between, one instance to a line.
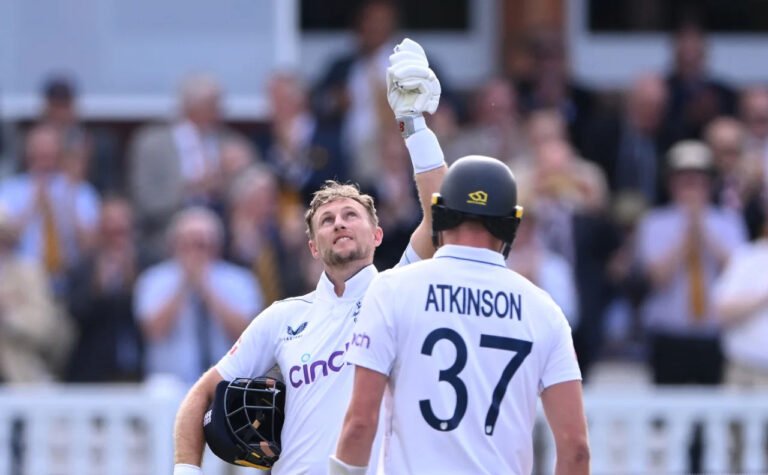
(472,254)
(354,287)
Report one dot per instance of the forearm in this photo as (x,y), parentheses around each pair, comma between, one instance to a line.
(189,441)
(573,460)
(429,164)
(356,441)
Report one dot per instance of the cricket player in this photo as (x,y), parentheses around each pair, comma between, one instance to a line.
(465,347)
(308,336)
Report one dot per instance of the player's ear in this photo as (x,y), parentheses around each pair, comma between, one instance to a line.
(313,249)
(378,235)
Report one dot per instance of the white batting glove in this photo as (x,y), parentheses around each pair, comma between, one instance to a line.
(412,87)
(186,469)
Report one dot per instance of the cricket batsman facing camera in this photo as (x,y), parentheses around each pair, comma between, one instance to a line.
(292,427)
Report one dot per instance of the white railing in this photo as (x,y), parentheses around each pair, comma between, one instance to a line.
(649,430)
(127,430)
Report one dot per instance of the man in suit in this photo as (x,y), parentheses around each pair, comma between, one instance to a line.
(178,164)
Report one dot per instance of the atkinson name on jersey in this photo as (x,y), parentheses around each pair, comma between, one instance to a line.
(468,301)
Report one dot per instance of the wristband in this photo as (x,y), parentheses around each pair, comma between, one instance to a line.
(337,467)
(186,469)
(424,150)
(410,124)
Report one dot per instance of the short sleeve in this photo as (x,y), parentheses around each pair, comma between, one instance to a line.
(253,354)
(374,343)
(561,364)
(409,256)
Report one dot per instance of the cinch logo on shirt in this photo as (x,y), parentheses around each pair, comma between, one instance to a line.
(361,340)
(308,373)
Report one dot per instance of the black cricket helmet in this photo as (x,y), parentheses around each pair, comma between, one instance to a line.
(480,188)
(243,425)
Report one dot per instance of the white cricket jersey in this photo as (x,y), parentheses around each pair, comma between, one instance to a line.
(468,345)
(307,337)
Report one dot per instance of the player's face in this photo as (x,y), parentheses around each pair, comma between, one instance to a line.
(344,233)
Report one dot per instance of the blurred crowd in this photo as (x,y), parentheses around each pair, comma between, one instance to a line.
(644,212)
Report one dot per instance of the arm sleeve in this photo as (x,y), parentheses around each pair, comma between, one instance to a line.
(374,342)
(409,256)
(253,354)
(561,364)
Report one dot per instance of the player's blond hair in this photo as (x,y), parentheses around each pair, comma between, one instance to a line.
(332,191)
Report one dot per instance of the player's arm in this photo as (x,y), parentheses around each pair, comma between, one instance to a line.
(412,90)
(360,423)
(188,431)
(564,409)
(373,359)
(251,356)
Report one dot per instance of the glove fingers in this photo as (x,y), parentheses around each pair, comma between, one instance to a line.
(409,70)
(409,45)
(407,57)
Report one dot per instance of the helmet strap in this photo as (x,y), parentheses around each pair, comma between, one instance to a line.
(505,249)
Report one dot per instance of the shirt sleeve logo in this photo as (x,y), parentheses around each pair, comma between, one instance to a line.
(299,329)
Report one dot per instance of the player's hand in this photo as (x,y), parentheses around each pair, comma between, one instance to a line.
(412,87)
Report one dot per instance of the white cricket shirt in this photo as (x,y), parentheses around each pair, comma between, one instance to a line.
(307,337)
(468,345)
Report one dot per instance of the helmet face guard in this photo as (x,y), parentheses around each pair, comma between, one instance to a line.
(244,423)
(481,189)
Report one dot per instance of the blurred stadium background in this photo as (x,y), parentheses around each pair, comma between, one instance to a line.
(115,116)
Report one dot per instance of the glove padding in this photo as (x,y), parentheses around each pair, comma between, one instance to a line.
(412,87)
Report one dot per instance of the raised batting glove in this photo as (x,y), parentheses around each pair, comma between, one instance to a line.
(412,87)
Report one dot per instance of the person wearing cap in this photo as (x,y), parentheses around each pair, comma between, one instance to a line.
(682,248)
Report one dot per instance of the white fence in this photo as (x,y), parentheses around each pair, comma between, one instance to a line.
(87,430)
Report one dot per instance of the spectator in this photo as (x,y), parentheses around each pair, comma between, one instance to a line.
(495,130)
(32,337)
(178,164)
(551,86)
(683,248)
(109,346)
(352,92)
(302,150)
(630,146)
(738,183)
(754,114)
(193,306)
(256,238)
(396,198)
(695,96)
(544,268)
(571,198)
(55,215)
(89,153)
